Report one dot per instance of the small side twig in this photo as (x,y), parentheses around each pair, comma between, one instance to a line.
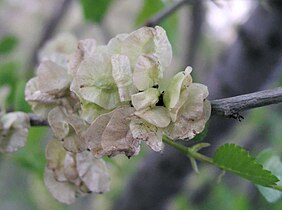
(229,107)
(155,20)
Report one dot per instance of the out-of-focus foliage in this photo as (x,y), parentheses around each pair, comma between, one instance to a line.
(95,10)
(32,156)
(273,163)
(170,24)
(7,44)
(223,198)
(19,102)
(181,202)
(9,76)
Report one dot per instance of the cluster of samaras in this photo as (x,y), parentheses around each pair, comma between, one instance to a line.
(106,100)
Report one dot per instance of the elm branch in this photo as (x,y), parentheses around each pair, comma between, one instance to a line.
(229,106)
(226,107)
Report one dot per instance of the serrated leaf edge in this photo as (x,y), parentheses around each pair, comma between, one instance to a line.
(252,160)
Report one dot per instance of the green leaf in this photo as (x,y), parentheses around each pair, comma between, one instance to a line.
(235,159)
(7,44)
(32,156)
(95,10)
(8,76)
(149,9)
(19,98)
(273,163)
(264,156)
(224,197)
(170,24)
(181,202)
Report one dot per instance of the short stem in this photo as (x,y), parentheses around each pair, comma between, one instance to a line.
(179,147)
(188,151)
(199,156)
(193,154)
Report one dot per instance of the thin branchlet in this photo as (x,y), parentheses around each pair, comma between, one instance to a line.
(226,107)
